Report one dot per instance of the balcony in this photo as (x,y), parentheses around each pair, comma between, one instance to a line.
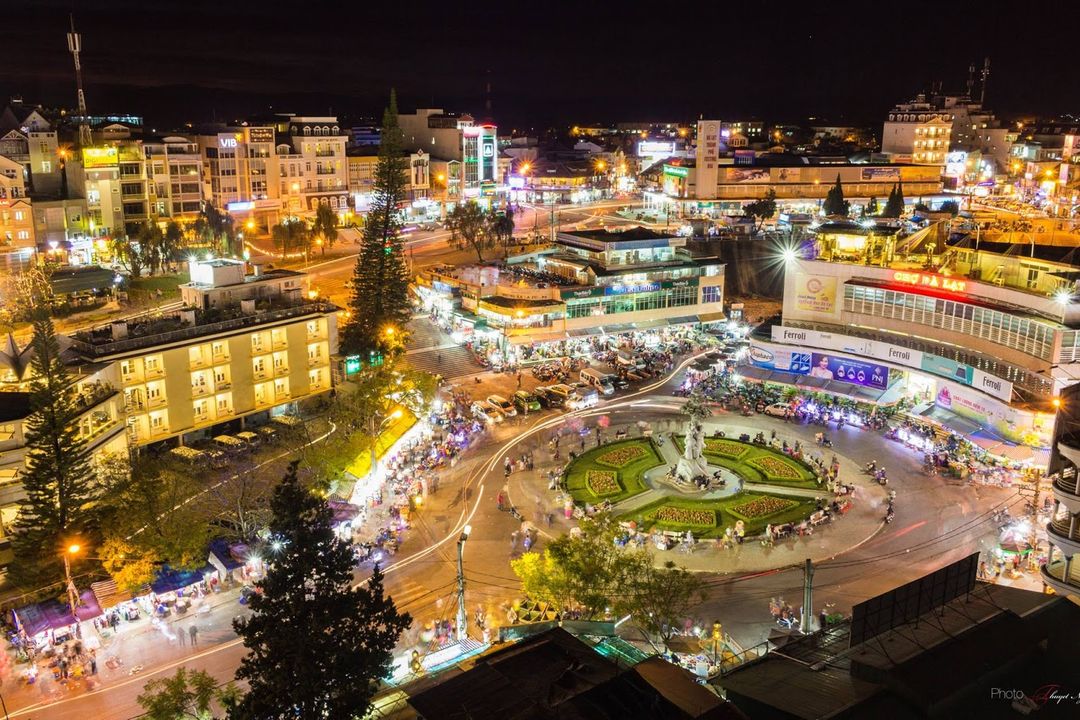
(159,431)
(198,363)
(262,401)
(131,378)
(261,375)
(223,385)
(1067,490)
(155,372)
(281,371)
(198,391)
(312,361)
(1065,534)
(134,406)
(222,359)
(1070,449)
(158,401)
(280,343)
(1053,574)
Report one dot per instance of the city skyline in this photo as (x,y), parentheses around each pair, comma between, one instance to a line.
(558,68)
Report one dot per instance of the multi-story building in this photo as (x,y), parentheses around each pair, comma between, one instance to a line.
(240,171)
(113,180)
(716,183)
(588,283)
(313,168)
(362,163)
(27,137)
(451,137)
(918,132)
(1062,569)
(17,243)
(242,347)
(983,340)
(174,170)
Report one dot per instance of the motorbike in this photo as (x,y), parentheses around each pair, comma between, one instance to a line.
(889,515)
(871,468)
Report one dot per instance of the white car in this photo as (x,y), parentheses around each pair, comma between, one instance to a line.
(505,406)
(486,411)
(778,409)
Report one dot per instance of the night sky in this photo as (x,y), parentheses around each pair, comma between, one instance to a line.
(548,62)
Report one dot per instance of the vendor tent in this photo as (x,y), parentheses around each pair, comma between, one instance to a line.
(53,614)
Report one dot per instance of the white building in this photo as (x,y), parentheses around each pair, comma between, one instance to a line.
(917,132)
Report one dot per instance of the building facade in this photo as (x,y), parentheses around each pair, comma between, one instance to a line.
(918,132)
(17,244)
(240,171)
(450,137)
(313,168)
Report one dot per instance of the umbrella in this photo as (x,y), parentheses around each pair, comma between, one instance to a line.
(1019,453)
(984,442)
(1015,545)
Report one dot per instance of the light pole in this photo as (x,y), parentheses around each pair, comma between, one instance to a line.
(73,595)
(462,618)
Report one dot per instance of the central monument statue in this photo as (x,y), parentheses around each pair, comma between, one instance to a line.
(692,463)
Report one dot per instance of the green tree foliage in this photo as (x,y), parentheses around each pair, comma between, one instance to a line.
(189,694)
(317,646)
(871,207)
(950,206)
(148,518)
(129,251)
(894,205)
(660,599)
(835,204)
(470,229)
(380,284)
(501,225)
(291,235)
(217,229)
(763,209)
(59,479)
(325,226)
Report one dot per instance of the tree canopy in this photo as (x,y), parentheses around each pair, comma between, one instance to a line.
(894,205)
(835,204)
(469,228)
(762,209)
(317,645)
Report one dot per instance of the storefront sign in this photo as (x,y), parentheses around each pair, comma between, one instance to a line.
(676,171)
(992,385)
(635,288)
(815,293)
(930,280)
(880,173)
(795,362)
(227,142)
(260,135)
(99,157)
(352,364)
(579,294)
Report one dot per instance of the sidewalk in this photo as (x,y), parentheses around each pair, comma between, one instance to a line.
(139,646)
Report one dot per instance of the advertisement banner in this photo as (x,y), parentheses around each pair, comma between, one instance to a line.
(1019,426)
(856,372)
(747,175)
(782,359)
(947,368)
(992,385)
(815,293)
(881,173)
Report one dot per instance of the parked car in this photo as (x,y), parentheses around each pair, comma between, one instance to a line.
(617,381)
(778,409)
(230,444)
(252,439)
(487,412)
(525,401)
(581,398)
(548,398)
(505,406)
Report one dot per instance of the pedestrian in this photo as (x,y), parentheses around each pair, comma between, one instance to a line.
(513,541)
(582,443)
(527,542)
(193,631)
(180,637)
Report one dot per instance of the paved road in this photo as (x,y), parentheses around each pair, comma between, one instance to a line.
(936,522)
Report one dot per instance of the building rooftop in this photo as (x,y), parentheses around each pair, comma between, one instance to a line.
(187,324)
(613,236)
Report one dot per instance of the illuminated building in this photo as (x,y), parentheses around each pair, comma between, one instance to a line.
(982,340)
(16,217)
(240,170)
(174,170)
(1062,569)
(362,164)
(312,165)
(590,282)
(113,179)
(452,137)
(917,132)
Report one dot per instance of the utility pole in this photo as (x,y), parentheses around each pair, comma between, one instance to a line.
(462,617)
(75,47)
(807,597)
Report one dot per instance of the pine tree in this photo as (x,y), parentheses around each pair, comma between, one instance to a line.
(380,292)
(894,206)
(58,479)
(317,646)
(835,204)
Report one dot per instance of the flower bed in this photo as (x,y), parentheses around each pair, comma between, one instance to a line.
(775,468)
(762,507)
(622,456)
(602,483)
(686,516)
(725,448)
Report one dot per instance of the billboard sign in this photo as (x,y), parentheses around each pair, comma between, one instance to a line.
(260,135)
(880,174)
(815,293)
(99,157)
(676,171)
(856,372)
(794,361)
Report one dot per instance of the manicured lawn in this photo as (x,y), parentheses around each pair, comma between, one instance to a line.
(645,516)
(757,464)
(629,459)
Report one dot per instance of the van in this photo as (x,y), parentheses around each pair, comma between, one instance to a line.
(525,401)
(561,391)
(230,444)
(616,381)
(584,397)
(595,378)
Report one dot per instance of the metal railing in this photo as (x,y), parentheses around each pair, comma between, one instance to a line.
(108,347)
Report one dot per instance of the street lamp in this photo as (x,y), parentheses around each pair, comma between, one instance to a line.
(462,621)
(73,596)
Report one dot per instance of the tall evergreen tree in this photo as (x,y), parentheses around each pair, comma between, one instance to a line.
(894,206)
(317,645)
(58,480)
(380,292)
(835,204)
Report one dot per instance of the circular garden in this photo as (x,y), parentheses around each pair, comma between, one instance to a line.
(615,472)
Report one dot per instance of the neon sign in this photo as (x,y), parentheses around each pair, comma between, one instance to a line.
(676,171)
(930,281)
